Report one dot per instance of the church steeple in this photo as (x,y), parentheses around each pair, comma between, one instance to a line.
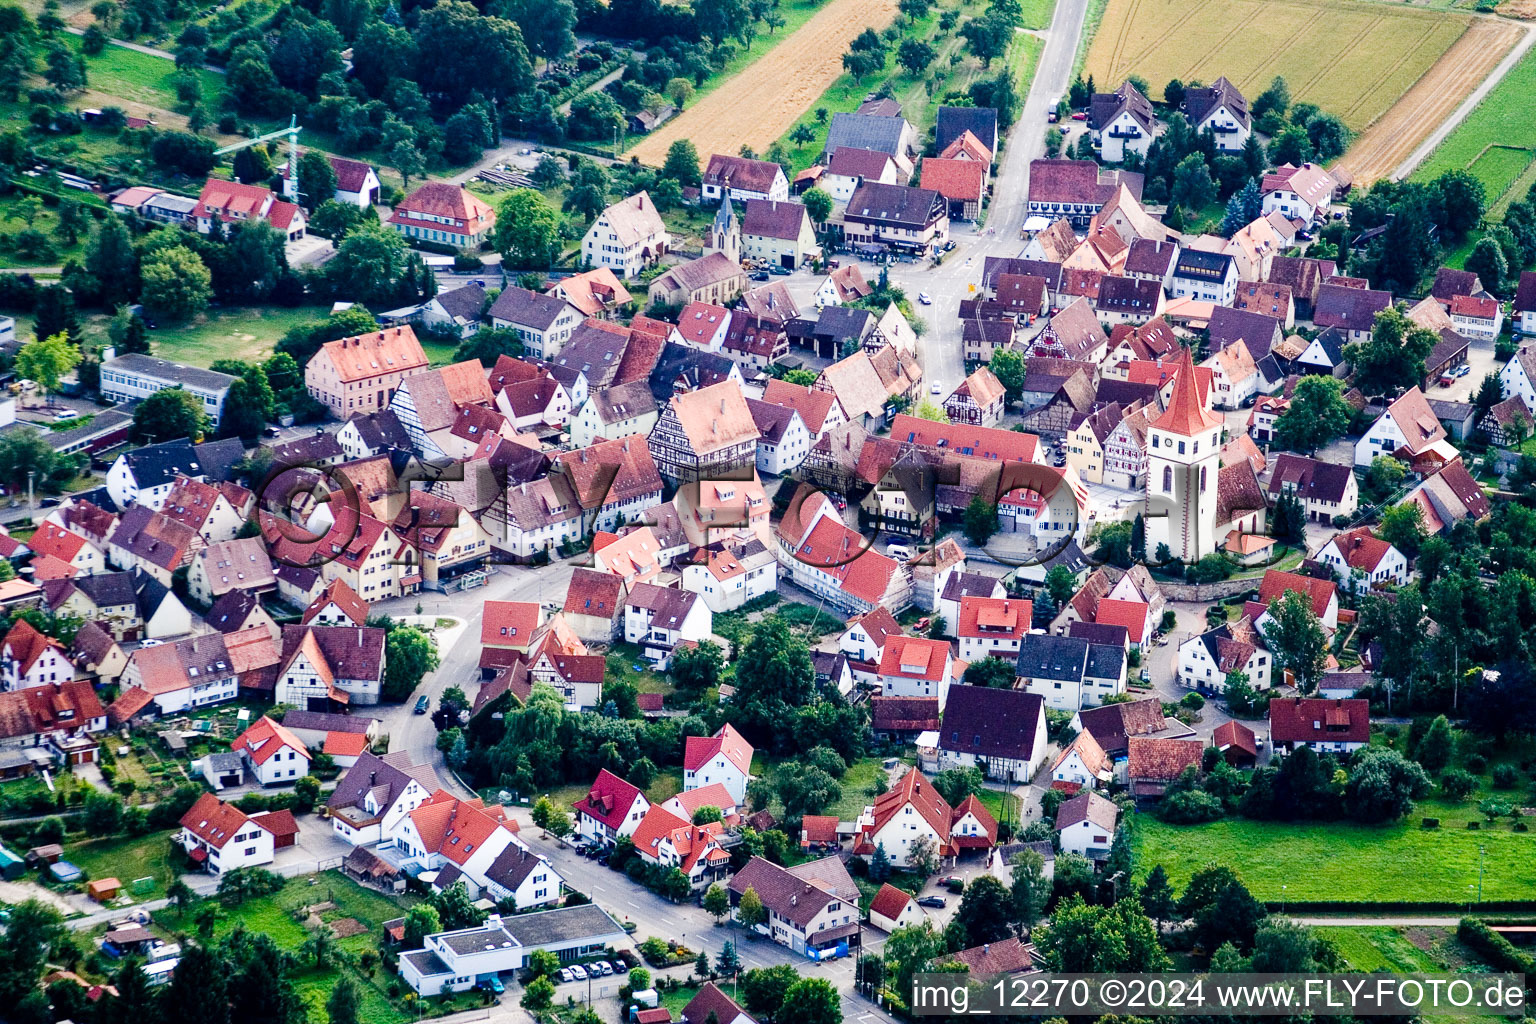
(1186,414)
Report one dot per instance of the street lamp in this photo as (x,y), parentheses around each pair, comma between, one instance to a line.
(1282,899)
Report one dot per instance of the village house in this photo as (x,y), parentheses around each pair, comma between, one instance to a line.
(724,759)
(978,401)
(1209,659)
(999,732)
(154,543)
(1155,762)
(778,233)
(627,237)
(912,815)
(1303,193)
(667,841)
(658,619)
(456,312)
(916,667)
(806,914)
(611,808)
(219,837)
(1204,277)
(1085,825)
(1351,310)
(1478,317)
(742,178)
(714,278)
(1409,430)
(1324,489)
(359,374)
(1358,555)
(376,795)
(1327,726)
(1122,122)
(326,665)
(1075,189)
(897,217)
(1221,109)
(1070,672)
(704,433)
(230,202)
(894,908)
(446,214)
(992,627)
(1523,308)
(962,183)
(275,755)
(614,413)
(1083,765)
(1125,300)
(594,293)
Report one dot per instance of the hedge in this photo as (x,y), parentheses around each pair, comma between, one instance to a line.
(1395,906)
(1500,953)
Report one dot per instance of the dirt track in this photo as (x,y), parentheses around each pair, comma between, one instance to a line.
(760,104)
(1433,98)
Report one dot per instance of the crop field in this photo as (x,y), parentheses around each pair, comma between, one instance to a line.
(1494,136)
(1334,861)
(1353,61)
(757,106)
(1433,98)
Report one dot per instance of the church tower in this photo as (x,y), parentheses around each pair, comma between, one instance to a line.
(725,232)
(1183,460)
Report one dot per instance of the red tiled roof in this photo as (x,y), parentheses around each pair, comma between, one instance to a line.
(509,623)
(1186,415)
(1310,719)
(962,180)
(889,902)
(912,657)
(698,750)
(1276,583)
(609,799)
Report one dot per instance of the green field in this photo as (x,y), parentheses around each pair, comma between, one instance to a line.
(1504,118)
(1499,166)
(1341,862)
(247,333)
(1380,949)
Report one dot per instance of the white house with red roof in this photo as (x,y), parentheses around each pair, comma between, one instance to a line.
(337,605)
(274,755)
(893,908)
(913,666)
(864,643)
(1322,597)
(356,183)
(220,837)
(506,633)
(611,808)
(836,563)
(992,627)
(28,658)
(232,202)
(1327,726)
(702,326)
(1480,317)
(1359,555)
(68,547)
(1183,461)
(459,839)
(669,841)
(912,810)
(1085,825)
(1301,193)
(1409,430)
(725,757)
(445,214)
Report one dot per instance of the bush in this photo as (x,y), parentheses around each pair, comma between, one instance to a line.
(1190,807)
(1457,784)
(1500,953)
(1505,776)
(1193,701)
(1477,764)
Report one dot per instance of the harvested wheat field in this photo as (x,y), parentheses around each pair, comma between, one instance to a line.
(1354,61)
(1398,132)
(760,104)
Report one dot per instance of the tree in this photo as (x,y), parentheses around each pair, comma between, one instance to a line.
(717,902)
(862,63)
(538,994)
(317,179)
(409,655)
(922,857)
(1382,785)
(927,410)
(1291,146)
(1157,896)
(1192,186)
(682,163)
(421,920)
(1402,526)
(111,261)
(750,911)
(47,361)
(818,204)
(998,673)
(1245,206)
(728,963)
(763,989)
(1330,137)
(1488,263)
(167,415)
(527,229)
(306,793)
(1433,751)
(1221,907)
(1276,99)
(1117,939)
(344,1002)
(1030,892)
(980,520)
(1316,416)
(1297,639)
(1007,365)
(696,669)
(811,1001)
(1384,477)
(176,282)
(988,36)
(1393,358)
(985,911)
(915,56)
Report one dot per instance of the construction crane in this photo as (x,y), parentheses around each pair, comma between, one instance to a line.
(292,132)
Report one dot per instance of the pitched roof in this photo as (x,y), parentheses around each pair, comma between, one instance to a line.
(1007,956)
(608,800)
(591,292)
(894,205)
(699,750)
(341,594)
(1152,758)
(449,202)
(1112,724)
(1186,414)
(385,777)
(37,709)
(866,131)
(889,902)
(952,122)
(1312,478)
(903,714)
(509,623)
(989,722)
(1276,583)
(1105,108)
(774,219)
(1076,328)
(1352,309)
(392,350)
(982,442)
(1202,101)
(25,645)
(264,738)
(956,180)
(1230,325)
(711,999)
(1307,719)
(594,593)
(611,472)
(1235,734)
(994,617)
(812,405)
(527,308)
(1087,806)
(742,173)
(633,219)
(214,821)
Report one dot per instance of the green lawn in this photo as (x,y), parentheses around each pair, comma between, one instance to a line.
(1499,166)
(857,785)
(1338,861)
(1504,118)
(274,916)
(439,353)
(993,800)
(236,332)
(1380,949)
(46,221)
(126,859)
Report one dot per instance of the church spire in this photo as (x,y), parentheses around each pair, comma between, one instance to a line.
(1186,415)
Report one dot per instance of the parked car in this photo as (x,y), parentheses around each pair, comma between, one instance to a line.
(1080,115)
(492,985)
(761,275)
(422,703)
(579,972)
(932,902)
(937,388)
(566,975)
(925,298)
(604,966)
(65,414)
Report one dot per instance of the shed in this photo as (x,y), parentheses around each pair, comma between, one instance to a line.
(46,854)
(64,871)
(11,866)
(174,742)
(103,889)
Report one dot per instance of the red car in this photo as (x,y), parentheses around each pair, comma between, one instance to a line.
(1081,115)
